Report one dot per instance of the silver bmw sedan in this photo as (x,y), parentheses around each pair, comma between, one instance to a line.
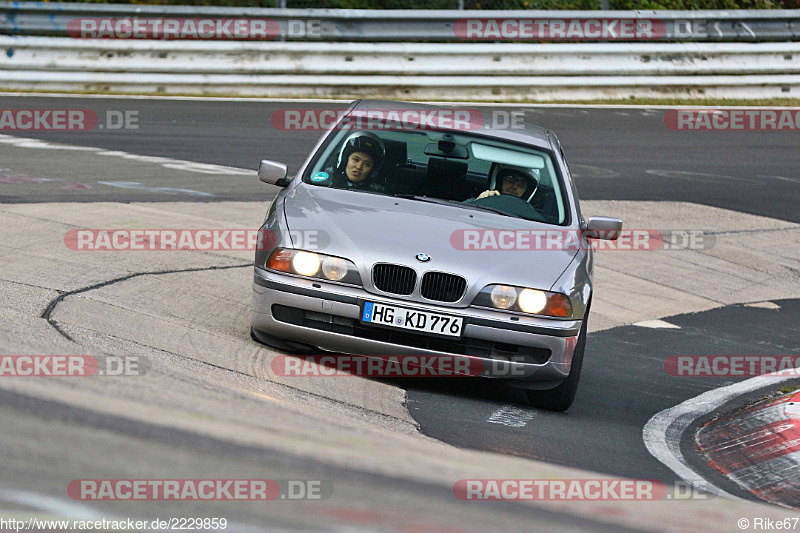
(416,230)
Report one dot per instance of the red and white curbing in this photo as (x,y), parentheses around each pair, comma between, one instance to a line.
(759,448)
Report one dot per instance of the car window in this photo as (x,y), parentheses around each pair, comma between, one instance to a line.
(448,167)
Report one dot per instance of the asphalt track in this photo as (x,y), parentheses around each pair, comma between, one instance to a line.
(619,154)
(115,446)
(623,384)
(615,154)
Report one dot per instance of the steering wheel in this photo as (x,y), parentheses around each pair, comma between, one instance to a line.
(510,204)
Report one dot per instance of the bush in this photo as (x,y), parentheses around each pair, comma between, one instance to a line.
(696,4)
(486,4)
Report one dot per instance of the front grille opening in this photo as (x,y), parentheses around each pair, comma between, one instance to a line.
(464,346)
(394,279)
(443,287)
(312,319)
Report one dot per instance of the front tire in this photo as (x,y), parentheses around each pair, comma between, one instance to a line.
(560,398)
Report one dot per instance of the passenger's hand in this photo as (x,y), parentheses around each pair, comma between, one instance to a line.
(486,194)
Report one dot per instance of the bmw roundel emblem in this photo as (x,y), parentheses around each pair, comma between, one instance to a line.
(423,258)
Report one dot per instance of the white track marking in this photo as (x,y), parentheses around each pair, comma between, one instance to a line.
(781,178)
(178,164)
(656,324)
(139,187)
(662,433)
(511,416)
(764,305)
(49,503)
(587,171)
(530,105)
(698,176)
(162,97)
(25,142)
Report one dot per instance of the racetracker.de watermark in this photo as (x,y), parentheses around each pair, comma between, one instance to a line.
(116,240)
(559,29)
(254,29)
(574,240)
(732,119)
(67,120)
(71,366)
(199,489)
(577,490)
(119,524)
(393,366)
(728,366)
(396,119)
(559,489)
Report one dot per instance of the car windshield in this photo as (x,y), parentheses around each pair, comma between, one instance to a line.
(468,171)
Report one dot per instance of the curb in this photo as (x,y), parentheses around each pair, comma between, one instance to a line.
(758,448)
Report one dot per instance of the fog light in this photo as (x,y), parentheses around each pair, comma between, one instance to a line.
(334,268)
(503,296)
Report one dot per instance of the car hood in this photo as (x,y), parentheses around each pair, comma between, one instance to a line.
(371,228)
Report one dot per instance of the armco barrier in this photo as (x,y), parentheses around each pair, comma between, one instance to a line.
(354,54)
(399,59)
(52,19)
(497,71)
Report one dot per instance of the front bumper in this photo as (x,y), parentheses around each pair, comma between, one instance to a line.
(327,316)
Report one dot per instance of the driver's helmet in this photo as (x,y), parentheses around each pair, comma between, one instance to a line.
(499,171)
(366,142)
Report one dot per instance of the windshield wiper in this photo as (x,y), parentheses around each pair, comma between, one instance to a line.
(442,201)
(413,197)
(493,210)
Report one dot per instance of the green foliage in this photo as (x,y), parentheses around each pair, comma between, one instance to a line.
(696,4)
(485,4)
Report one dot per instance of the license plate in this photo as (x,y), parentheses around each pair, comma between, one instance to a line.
(422,321)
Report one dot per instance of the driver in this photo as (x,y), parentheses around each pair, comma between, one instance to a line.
(360,160)
(514,181)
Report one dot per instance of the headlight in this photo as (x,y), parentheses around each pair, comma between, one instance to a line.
(305,263)
(525,300)
(313,265)
(532,301)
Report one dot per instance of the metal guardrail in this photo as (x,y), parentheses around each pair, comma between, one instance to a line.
(356,53)
(52,19)
(465,61)
(423,71)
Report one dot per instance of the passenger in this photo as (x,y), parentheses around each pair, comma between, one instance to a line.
(514,181)
(359,163)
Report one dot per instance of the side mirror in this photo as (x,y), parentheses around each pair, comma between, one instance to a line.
(603,228)
(273,173)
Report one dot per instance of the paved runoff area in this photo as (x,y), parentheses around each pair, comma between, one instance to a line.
(205,403)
